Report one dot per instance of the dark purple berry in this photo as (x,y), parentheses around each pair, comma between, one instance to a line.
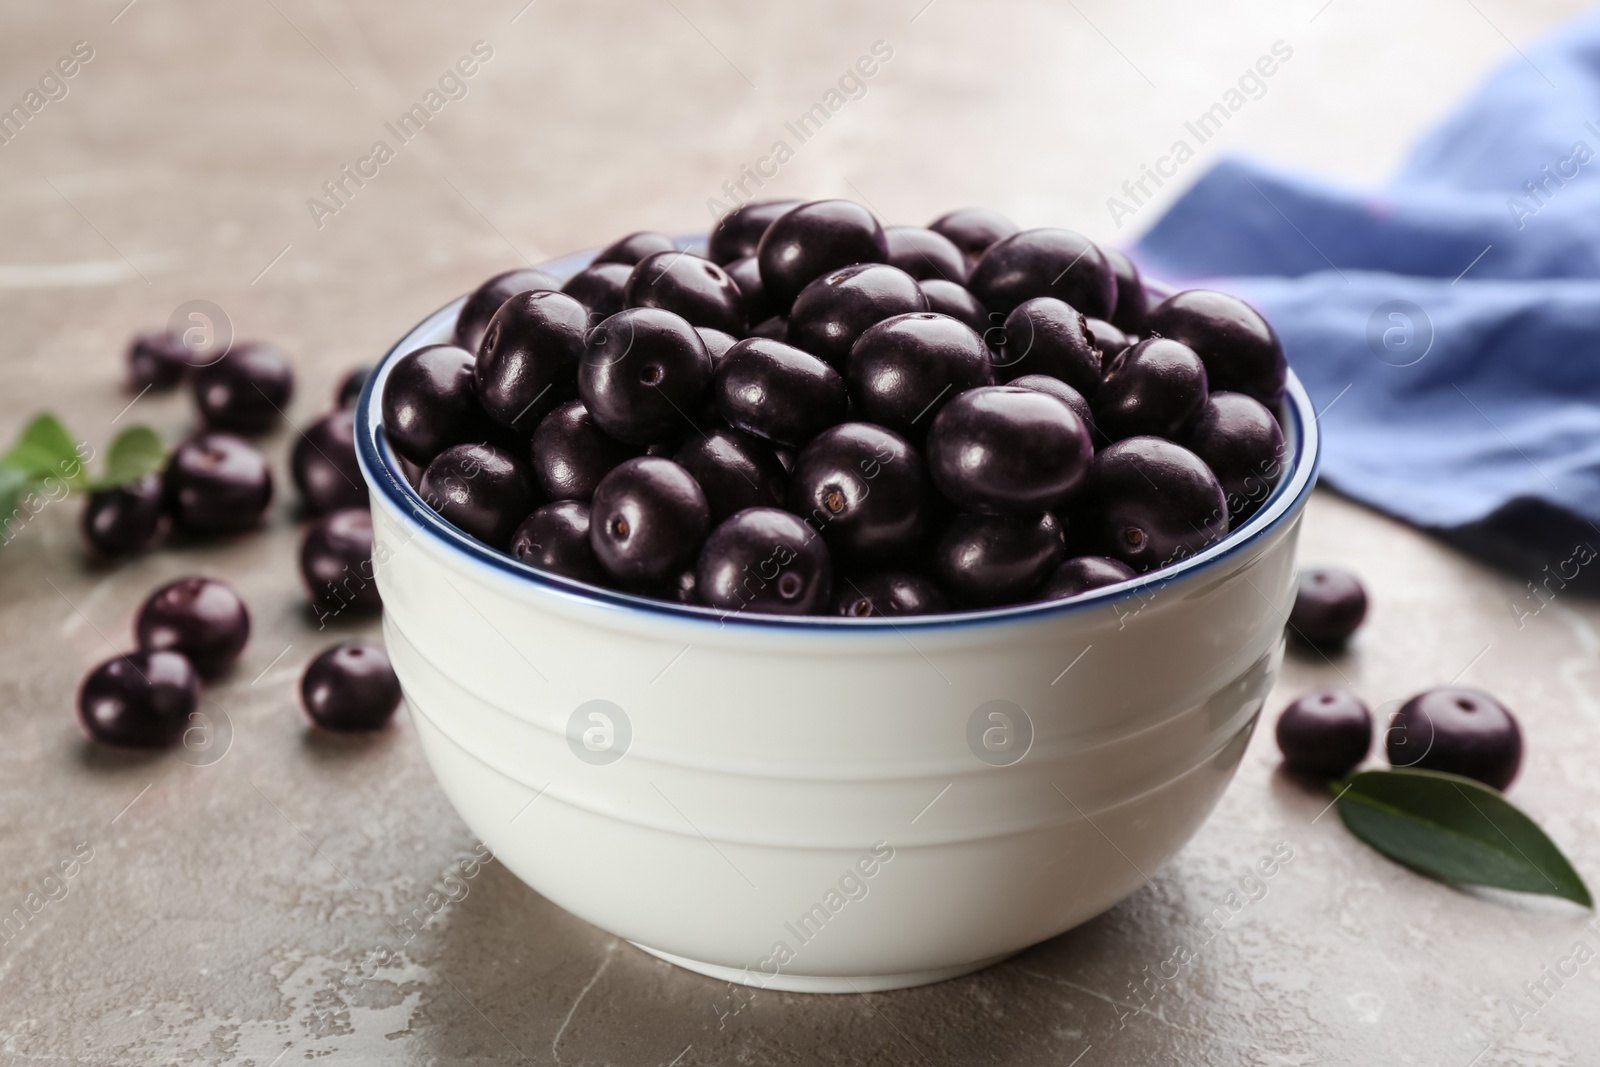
(480,490)
(528,357)
(1457,731)
(1156,388)
(473,319)
(697,289)
(865,488)
(1129,314)
(202,618)
(246,391)
(764,560)
(1243,445)
(778,392)
(158,361)
(888,594)
(948,298)
(556,538)
(1325,734)
(838,307)
(636,248)
(647,521)
(735,470)
(1241,352)
(645,375)
(350,386)
(1083,573)
(351,686)
(599,288)
(717,344)
(746,274)
(141,700)
(324,464)
(571,454)
(125,520)
(999,450)
(924,254)
(1329,605)
(812,239)
(1044,383)
(989,560)
(1107,338)
(904,368)
(430,403)
(973,229)
(1045,262)
(216,484)
(737,234)
(1046,336)
(336,563)
(1153,503)
(773,329)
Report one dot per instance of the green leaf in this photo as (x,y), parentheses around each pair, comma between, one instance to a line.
(14,484)
(133,453)
(46,450)
(1457,830)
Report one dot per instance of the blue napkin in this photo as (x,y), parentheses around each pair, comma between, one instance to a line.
(1447,323)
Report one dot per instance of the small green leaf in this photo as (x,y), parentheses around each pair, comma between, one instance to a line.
(133,453)
(46,450)
(14,484)
(1457,830)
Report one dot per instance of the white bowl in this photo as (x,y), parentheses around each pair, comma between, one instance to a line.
(826,804)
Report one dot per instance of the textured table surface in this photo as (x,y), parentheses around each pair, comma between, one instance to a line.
(222,899)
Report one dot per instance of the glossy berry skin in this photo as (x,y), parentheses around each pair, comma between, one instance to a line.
(636,248)
(998,450)
(717,344)
(1081,574)
(1045,262)
(555,538)
(924,254)
(430,403)
(888,594)
(738,234)
(1156,387)
(529,354)
(202,618)
(647,521)
(481,490)
(773,329)
(1325,734)
(324,464)
(158,361)
(216,484)
(1241,352)
(746,274)
(1329,605)
(644,376)
(1243,445)
(808,241)
(1046,336)
(599,287)
(141,700)
(735,470)
(571,453)
(246,391)
(904,368)
(350,386)
(1107,338)
(764,560)
(838,307)
(125,520)
(350,687)
(1044,383)
(336,564)
(1132,300)
(686,285)
(865,488)
(1458,731)
(973,229)
(473,319)
(776,391)
(1153,503)
(948,298)
(989,560)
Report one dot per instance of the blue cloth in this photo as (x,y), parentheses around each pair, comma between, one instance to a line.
(1449,320)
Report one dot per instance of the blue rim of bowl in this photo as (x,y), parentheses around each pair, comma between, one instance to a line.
(384,476)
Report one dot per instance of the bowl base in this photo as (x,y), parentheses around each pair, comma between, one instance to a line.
(815,983)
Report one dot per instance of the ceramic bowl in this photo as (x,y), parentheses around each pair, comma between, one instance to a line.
(826,804)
